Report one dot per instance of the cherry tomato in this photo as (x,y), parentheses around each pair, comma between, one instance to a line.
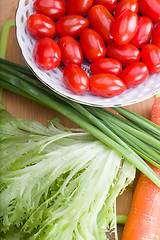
(106,85)
(134,74)
(47,53)
(124,27)
(144,32)
(75,78)
(106,65)
(156,36)
(79,7)
(39,25)
(72,25)
(126,54)
(51,8)
(150,8)
(126,4)
(151,57)
(92,45)
(108,4)
(101,20)
(71,50)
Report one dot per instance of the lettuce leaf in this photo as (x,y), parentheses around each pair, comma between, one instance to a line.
(57,183)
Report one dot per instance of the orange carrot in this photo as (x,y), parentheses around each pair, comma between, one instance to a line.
(155,114)
(143,222)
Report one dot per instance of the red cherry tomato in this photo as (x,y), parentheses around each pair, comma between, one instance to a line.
(108,4)
(106,85)
(144,32)
(134,74)
(51,8)
(156,36)
(72,25)
(71,50)
(126,4)
(39,25)
(151,57)
(106,65)
(101,20)
(150,8)
(126,54)
(124,27)
(47,53)
(79,7)
(92,45)
(75,78)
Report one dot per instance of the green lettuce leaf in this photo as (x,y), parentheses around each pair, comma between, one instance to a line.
(57,183)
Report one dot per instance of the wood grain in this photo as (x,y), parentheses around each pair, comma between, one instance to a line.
(24,108)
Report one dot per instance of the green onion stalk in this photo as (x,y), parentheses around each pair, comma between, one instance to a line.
(3,42)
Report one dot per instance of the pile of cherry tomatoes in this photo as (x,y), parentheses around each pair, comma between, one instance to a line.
(118,38)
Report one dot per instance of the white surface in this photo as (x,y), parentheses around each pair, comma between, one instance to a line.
(53,78)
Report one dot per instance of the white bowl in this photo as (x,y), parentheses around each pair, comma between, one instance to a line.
(53,78)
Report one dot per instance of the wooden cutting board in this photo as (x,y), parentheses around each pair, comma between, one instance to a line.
(23,108)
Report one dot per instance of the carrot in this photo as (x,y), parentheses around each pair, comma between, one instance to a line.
(143,222)
(155,114)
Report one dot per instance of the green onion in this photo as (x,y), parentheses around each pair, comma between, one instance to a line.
(11,88)
(78,114)
(140,135)
(121,219)
(139,120)
(4,37)
(3,42)
(17,67)
(139,146)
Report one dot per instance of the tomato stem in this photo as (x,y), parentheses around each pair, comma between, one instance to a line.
(157,95)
